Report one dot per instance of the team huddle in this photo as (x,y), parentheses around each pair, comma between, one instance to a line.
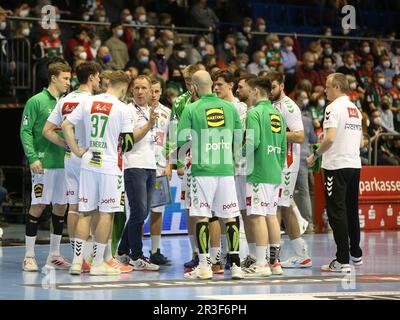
(237,152)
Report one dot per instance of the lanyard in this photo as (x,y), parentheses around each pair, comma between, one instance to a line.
(141,111)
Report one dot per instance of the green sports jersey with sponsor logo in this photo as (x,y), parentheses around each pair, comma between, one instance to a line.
(266,135)
(211,122)
(36,146)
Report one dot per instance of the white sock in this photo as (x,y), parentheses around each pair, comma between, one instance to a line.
(298,215)
(267,253)
(87,249)
(300,247)
(224,244)
(204,259)
(55,241)
(214,253)
(260,255)
(30,246)
(72,241)
(193,243)
(252,250)
(155,243)
(98,253)
(78,252)
(108,251)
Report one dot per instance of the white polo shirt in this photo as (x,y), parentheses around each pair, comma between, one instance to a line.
(343,115)
(143,153)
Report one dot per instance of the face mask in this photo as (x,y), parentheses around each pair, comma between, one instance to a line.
(83,55)
(367,50)
(106,58)
(152,39)
(204,53)
(102,19)
(381,81)
(202,44)
(242,65)
(142,18)
(26,32)
(170,42)
(247,29)
(309,66)
(328,51)
(144,59)
(24,13)
(353,86)
(227,46)
(305,102)
(328,66)
(262,62)
(129,18)
(321,103)
(386,64)
(160,56)
(3,25)
(182,54)
(97,44)
(277,45)
(261,27)
(86,18)
(289,49)
(120,33)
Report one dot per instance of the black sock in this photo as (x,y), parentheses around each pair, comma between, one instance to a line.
(232,237)
(203,237)
(31,226)
(274,252)
(57,223)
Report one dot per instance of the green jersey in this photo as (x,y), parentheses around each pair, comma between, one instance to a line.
(210,122)
(266,135)
(36,146)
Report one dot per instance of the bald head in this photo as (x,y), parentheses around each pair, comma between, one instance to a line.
(202,82)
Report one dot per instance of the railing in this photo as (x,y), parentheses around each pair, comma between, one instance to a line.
(385,134)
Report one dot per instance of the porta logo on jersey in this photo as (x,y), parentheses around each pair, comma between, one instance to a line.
(38,190)
(108,201)
(273,149)
(353,113)
(68,107)
(101,107)
(276,123)
(215,117)
(229,206)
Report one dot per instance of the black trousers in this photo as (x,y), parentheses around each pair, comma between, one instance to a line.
(341,191)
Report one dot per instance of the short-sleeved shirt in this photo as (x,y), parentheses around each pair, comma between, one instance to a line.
(105,118)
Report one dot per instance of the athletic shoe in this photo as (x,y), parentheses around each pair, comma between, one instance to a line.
(192,263)
(85,267)
(56,263)
(356,261)
(217,268)
(277,269)
(257,271)
(297,262)
(336,266)
(143,264)
(236,272)
(76,268)
(30,264)
(159,259)
(119,266)
(103,269)
(249,261)
(200,272)
(124,259)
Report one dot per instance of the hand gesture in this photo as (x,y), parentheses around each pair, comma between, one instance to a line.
(36,167)
(311,160)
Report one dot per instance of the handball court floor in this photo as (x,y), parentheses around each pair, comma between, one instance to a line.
(378,278)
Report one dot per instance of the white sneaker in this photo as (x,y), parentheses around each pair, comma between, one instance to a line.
(336,266)
(30,264)
(103,269)
(297,262)
(143,264)
(257,271)
(277,269)
(76,268)
(200,272)
(249,261)
(236,272)
(356,261)
(124,259)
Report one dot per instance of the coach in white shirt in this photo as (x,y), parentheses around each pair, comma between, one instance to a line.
(340,150)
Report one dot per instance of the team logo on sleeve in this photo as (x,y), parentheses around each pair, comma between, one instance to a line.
(68,107)
(97,159)
(215,117)
(25,120)
(38,190)
(276,123)
(101,107)
(353,113)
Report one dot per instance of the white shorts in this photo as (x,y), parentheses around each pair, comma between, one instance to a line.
(103,191)
(216,194)
(286,189)
(49,187)
(262,198)
(185,189)
(159,209)
(72,174)
(240,183)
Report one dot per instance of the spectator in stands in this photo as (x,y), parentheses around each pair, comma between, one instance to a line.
(316,49)
(394,151)
(4,30)
(273,54)
(385,67)
(375,92)
(126,16)
(326,68)
(159,64)
(23,10)
(227,51)
(317,109)
(240,62)
(327,49)
(146,40)
(289,61)
(129,33)
(103,58)
(197,52)
(140,16)
(118,49)
(175,81)
(354,94)
(349,66)
(364,54)
(209,61)
(81,38)
(394,94)
(203,16)
(307,70)
(395,57)
(365,73)
(178,59)
(259,63)
(386,113)
(169,96)
(244,37)
(51,42)
(301,98)
(95,44)
(165,19)
(258,40)
(166,39)
(141,61)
